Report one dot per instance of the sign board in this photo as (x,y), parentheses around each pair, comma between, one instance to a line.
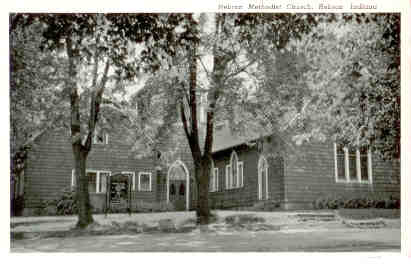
(119,194)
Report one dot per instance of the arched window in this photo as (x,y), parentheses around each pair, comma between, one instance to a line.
(234,169)
(262,178)
(234,172)
(213,183)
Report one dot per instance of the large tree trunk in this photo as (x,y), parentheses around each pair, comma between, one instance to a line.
(82,196)
(202,170)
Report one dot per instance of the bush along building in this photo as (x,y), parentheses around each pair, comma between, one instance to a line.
(246,173)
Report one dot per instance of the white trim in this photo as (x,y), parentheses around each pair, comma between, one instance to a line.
(262,160)
(105,138)
(73,178)
(213,179)
(347,164)
(369,163)
(266,182)
(230,175)
(99,178)
(139,181)
(98,172)
(215,174)
(358,166)
(179,163)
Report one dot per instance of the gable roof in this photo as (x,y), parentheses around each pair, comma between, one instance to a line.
(225,138)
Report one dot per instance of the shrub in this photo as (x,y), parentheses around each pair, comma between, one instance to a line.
(243,219)
(66,203)
(356,203)
(46,208)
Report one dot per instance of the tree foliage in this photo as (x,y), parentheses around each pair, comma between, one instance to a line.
(36,79)
(100,51)
(222,54)
(354,82)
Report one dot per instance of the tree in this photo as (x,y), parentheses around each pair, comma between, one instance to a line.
(35,86)
(236,45)
(100,50)
(357,100)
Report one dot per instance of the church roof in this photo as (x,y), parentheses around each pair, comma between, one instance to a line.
(225,138)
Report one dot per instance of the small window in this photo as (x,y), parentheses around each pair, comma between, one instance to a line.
(100,138)
(144,181)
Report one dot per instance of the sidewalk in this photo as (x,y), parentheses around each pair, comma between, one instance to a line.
(294,220)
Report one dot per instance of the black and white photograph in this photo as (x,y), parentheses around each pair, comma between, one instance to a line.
(254,128)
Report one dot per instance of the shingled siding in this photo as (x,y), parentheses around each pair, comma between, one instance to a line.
(243,196)
(50,166)
(310,174)
(181,152)
(276,179)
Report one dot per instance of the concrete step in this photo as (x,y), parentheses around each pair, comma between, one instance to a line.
(303,217)
(365,224)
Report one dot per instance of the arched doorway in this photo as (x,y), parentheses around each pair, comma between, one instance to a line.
(262,178)
(178,186)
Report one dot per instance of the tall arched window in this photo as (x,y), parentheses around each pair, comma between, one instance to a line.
(213,187)
(234,172)
(262,178)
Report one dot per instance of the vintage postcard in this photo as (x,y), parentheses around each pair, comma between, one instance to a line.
(232,126)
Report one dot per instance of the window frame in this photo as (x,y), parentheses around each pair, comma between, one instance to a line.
(105,137)
(215,174)
(214,178)
(230,175)
(262,166)
(98,176)
(139,181)
(357,165)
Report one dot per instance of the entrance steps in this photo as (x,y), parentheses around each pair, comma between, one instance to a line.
(323,217)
